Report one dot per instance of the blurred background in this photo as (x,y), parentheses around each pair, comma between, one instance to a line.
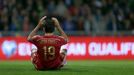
(77,17)
(98,30)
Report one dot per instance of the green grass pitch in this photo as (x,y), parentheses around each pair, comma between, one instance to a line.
(72,68)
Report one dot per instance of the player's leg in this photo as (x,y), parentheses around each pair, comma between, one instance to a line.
(63,54)
(33,54)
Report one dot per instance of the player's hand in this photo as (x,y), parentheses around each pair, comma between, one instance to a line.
(41,20)
(56,22)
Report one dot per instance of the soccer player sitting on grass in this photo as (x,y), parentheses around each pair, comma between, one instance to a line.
(48,55)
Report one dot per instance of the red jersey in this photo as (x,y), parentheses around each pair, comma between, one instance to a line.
(49,50)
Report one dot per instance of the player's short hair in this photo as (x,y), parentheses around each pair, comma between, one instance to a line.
(48,25)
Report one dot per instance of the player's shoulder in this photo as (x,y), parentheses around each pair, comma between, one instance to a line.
(60,37)
(56,37)
(36,36)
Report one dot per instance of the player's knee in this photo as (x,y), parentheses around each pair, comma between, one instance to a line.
(64,51)
(33,50)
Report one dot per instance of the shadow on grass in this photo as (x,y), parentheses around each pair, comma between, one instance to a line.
(68,69)
(31,69)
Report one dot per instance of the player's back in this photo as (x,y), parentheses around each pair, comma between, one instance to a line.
(49,50)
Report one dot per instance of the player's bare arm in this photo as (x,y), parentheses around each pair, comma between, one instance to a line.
(35,30)
(57,25)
